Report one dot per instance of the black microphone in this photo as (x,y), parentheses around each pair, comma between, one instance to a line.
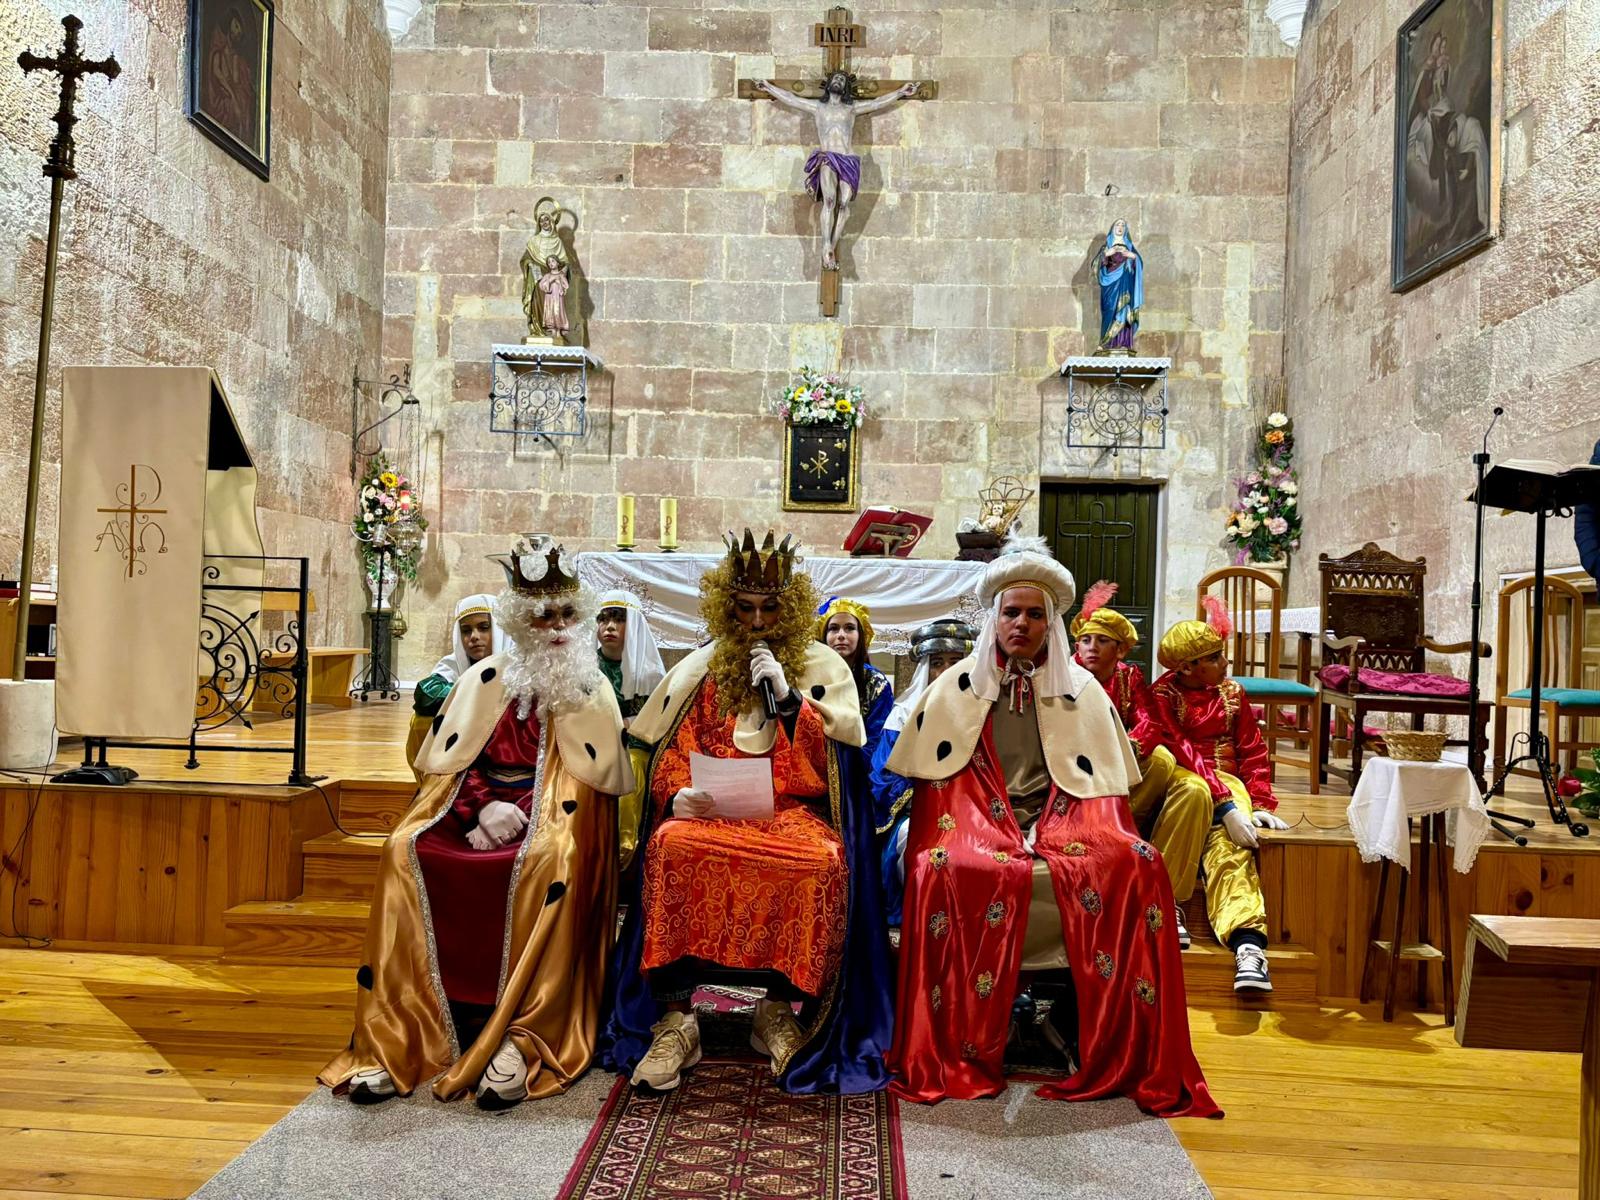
(768,697)
(1498,413)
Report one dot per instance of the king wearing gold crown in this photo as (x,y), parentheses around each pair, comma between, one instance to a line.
(787,901)
(496,895)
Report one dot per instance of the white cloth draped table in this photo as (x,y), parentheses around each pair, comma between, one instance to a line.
(902,593)
(1392,790)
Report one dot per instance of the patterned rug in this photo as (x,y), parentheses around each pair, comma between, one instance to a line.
(728,1134)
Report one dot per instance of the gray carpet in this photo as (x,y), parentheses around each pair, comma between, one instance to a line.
(1014,1147)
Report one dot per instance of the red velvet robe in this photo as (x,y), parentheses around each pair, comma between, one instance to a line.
(1214,729)
(968,885)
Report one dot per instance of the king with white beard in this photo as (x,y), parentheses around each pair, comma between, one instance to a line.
(494,906)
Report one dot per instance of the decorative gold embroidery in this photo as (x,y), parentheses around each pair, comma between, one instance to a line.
(938,856)
(1000,856)
(996,914)
(1060,804)
(946,822)
(1153,919)
(1103,964)
(937,997)
(985,985)
(1075,850)
(968,1050)
(997,808)
(1090,899)
(1145,990)
(939,924)
(1144,850)
(939,785)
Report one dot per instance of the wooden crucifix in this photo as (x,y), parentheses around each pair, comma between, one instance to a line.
(833,172)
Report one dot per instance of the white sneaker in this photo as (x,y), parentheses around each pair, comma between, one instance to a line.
(674,1049)
(1184,941)
(1250,969)
(371,1087)
(504,1082)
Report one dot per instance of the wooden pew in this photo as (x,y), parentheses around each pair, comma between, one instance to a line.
(1533,983)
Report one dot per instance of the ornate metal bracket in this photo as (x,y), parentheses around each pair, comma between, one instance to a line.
(396,391)
(541,391)
(1116,403)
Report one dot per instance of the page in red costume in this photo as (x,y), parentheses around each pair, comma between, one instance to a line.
(1137,708)
(747,894)
(1179,718)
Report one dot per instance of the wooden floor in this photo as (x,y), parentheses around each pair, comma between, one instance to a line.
(134,1076)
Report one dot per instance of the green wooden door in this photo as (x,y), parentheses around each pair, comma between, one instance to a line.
(1108,531)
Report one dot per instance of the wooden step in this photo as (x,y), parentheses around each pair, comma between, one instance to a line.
(305,931)
(341,867)
(374,805)
(1208,975)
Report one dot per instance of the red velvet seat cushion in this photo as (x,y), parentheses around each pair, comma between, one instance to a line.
(1398,683)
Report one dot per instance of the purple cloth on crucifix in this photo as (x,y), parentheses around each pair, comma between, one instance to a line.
(846,166)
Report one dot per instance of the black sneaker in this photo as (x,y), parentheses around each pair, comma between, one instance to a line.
(1183,930)
(1250,969)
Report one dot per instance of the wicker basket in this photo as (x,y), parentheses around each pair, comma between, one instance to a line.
(1414,745)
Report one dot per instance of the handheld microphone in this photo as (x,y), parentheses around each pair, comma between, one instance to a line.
(768,697)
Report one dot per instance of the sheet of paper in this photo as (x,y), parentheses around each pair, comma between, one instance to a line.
(741,788)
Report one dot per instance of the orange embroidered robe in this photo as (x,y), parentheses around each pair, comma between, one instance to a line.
(747,894)
(1212,730)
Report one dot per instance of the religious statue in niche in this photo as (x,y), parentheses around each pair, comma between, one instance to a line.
(833,173)
(1120,269)
(546,278)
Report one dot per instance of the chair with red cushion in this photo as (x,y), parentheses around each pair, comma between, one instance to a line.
(1375,651)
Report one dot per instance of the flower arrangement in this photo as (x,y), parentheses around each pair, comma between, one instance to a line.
(1586,798)
(813,398)
(1265,522)
(388,513)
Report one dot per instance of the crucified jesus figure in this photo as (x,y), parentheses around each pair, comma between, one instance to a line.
(833,173)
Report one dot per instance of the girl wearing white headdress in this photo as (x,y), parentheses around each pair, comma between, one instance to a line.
(629,656)
(475,635)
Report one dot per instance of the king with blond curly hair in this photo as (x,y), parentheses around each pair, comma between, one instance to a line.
(787,902)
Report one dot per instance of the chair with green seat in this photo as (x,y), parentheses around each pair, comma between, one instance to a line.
(1254,601)
(1564,702)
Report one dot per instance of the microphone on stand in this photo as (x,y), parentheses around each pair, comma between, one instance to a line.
(1498,413)
(768,697)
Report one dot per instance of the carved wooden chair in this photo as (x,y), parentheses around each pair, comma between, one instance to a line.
(1254,601)
(1563,700)
(1374,654)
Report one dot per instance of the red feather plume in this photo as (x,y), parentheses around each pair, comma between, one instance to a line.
(1217,617)
(1098,596)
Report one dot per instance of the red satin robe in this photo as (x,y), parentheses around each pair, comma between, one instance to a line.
(467,888)
(1131,696)
(1214,729)
(969,879)
(747,894)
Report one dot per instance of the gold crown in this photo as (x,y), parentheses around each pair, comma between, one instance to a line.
(522,571)
(766,570)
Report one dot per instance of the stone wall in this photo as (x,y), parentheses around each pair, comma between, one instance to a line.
(174,253)
(966,264)
(1392,393)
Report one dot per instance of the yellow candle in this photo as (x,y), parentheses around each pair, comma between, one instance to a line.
(624,520)
(669,523)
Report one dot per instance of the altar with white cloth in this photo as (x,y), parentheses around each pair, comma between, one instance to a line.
(902,593)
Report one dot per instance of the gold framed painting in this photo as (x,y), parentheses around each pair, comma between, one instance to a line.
(1448,99)
(230,77)
(820,467)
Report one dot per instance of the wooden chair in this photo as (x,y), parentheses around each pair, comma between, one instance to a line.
(1562,697)
(1254,601)
(1373,620)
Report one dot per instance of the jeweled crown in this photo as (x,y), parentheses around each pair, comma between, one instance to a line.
(535,571)
(766,570)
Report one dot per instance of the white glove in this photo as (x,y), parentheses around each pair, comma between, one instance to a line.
(764,666)
(1029,838)
(1240,830)
(692,802)
(479,840)
(1268,820)
(501,821)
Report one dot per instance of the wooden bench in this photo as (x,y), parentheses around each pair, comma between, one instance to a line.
(1533,983)
(329,672)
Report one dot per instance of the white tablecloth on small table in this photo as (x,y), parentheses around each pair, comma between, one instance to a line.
(902,593)
(1392,790)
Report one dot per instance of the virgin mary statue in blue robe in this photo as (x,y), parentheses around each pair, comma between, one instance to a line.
(1121,290)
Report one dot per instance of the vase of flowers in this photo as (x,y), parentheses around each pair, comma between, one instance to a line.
(389,527)
(815,398)
(1264,526)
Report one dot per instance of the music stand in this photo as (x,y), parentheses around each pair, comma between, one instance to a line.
(881,531)
(1521,490)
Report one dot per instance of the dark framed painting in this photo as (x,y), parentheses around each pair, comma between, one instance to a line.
(230,77)
(1446,137)
(820,468)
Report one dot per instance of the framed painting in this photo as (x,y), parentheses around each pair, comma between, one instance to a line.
(1446,137)
(230,77)
(820,467)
